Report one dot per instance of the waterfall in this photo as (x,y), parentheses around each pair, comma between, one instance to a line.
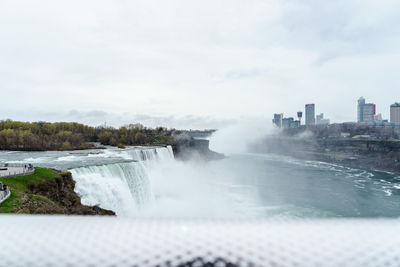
(122,187)
(155,153)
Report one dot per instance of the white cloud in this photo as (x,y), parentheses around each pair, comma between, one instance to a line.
(222,59)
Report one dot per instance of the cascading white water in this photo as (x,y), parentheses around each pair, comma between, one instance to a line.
(154,184)
(157,153)
(122,187)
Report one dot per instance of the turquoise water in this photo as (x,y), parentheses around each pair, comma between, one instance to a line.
(149,182)
(283,186)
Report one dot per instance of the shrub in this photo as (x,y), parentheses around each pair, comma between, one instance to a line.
(122,146)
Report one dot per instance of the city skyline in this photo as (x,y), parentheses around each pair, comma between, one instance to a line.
(366,113)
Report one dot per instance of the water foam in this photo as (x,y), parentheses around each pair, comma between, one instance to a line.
(122,187)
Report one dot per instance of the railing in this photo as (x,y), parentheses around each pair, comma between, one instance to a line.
(11,171)
(6,164)
(4,194)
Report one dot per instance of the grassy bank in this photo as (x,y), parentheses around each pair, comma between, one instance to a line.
(19,188)
(46,191)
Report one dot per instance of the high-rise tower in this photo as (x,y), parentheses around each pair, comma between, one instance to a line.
(310,114)
(365,112)
(395,113)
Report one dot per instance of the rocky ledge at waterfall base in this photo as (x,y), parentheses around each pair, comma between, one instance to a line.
(186,148)
(47,191)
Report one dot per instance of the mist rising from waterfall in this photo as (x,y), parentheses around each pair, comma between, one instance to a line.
(236,138)
(158,185)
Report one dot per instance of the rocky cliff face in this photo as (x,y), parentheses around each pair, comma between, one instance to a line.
(55,196)
(371,154)
(190,148)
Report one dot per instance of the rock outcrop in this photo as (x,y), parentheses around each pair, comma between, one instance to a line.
(190,148)
(46,191)
(61,191)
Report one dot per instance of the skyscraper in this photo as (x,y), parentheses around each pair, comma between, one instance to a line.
(395,113)
(310,114)
(365,112)
(361,103)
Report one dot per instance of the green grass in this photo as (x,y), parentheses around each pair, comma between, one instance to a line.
(11,203)
(19,187)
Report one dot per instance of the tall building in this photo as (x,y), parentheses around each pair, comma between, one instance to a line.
(395,113)
(361,103)
(365,112)
(278,120)
(310,114)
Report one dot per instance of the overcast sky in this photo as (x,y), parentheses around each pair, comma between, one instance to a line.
(196,64)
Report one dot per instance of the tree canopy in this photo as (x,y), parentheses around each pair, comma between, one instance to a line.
(36,136)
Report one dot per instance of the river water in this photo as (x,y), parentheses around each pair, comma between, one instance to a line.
(148,181)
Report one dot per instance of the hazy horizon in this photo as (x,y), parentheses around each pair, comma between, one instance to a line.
(196,64)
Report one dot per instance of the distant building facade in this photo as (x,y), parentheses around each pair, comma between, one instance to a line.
(321,120)
(365,112)
(395,113)
(281,122)
(299,116)
(286,122)
(290,123)
(278,120)
(310,114)
(295,124)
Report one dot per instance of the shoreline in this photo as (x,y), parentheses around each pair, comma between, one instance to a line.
(379,155)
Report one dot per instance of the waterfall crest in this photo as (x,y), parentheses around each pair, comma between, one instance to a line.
(122,187)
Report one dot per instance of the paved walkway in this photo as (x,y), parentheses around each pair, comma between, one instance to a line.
(15,171)
(5,172)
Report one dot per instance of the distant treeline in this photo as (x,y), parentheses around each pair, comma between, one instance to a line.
(38,136)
